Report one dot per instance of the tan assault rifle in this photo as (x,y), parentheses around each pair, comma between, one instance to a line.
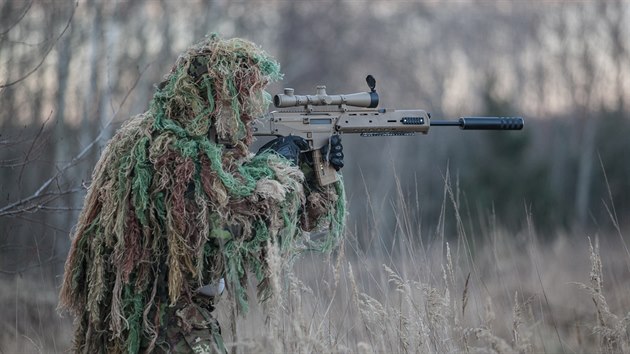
(318,117)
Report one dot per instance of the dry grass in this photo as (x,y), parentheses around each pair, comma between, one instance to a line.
(510,297)
(503,306)
(29,322)
(508,293)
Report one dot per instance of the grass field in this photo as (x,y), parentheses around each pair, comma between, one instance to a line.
(512,295)
(504,293)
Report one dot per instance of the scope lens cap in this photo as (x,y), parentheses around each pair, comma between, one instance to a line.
(371,81)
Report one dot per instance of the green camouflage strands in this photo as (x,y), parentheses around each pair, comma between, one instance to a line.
(177,202)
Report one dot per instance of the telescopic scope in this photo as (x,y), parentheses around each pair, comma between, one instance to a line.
(321,98)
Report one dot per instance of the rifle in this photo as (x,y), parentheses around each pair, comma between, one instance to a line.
(318,117)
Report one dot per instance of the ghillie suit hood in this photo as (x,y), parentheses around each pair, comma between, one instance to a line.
(177,201)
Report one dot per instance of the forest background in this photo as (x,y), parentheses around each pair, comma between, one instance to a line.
(72,72)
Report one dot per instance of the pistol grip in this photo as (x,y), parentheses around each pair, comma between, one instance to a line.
(324,172)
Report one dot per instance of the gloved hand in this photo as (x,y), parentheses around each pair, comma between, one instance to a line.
(289,147)
(333,152)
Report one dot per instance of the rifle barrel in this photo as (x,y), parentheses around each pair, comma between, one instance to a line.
(483,123)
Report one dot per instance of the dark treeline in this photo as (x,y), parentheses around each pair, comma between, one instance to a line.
(72,72)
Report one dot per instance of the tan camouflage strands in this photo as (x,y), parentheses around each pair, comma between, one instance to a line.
(169,209)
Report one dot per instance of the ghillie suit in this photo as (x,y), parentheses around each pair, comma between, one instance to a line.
(178,201)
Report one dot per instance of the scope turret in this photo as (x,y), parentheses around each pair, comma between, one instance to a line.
(321,98)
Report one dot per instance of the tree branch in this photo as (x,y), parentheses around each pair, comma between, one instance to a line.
(26,10)
(7,84)
(41,198)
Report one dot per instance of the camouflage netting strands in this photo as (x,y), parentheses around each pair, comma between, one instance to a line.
(177,201)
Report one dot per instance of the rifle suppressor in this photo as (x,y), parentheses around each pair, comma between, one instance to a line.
(483,123)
